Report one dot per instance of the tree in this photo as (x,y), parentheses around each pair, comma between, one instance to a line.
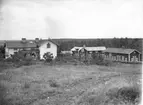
(2,52)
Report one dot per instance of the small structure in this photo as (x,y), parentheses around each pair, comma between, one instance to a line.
(122,54)
(75,49)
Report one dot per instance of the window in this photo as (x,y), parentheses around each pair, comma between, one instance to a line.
(48,45)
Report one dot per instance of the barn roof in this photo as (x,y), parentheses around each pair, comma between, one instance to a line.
(100,48)
(75,48)
(120,50)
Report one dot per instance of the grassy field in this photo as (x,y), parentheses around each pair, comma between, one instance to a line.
(71,85)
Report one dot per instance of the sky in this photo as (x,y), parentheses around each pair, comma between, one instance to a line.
(71,19)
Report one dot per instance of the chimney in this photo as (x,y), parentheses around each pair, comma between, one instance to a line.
(84,46)
(23,40)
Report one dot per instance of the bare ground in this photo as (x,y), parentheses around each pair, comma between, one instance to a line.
(67,84)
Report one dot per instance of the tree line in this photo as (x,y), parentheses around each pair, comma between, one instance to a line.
(132,43)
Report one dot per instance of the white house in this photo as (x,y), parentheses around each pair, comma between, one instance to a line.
(48,46)
(31,46)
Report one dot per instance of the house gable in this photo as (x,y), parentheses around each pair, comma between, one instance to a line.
(48,46)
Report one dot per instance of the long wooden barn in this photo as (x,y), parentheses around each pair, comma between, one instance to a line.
(123,55)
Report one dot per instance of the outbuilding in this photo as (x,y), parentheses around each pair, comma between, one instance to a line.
(122,54)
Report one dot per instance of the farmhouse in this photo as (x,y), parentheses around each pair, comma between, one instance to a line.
(36,47)
(122,54)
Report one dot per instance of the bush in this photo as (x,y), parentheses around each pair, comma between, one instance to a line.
(53,83)
(18,56)
(129,94)
(19,59)
(66,59)
(124,94)
(99,60)
(2,53)
(114,96)
(26,85)
(48,57)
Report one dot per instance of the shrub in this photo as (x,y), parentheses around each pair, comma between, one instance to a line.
(53,83)
(129,93)
(19,59)
(17,56)
(26,85)
(124,94)
(2,53)
(48,57)
(99,60)
(66,58)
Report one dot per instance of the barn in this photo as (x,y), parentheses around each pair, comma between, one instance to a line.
(85,53)
(122,54)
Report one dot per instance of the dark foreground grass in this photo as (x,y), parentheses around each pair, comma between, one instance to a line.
(125,95)
(3,90)
(114,96)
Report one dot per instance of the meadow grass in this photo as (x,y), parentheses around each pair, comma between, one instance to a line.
(71,85)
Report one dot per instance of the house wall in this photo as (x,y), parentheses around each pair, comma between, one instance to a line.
(43,49)
(75,54)
(83,55)
(135,56)
(116,57)
(9,52)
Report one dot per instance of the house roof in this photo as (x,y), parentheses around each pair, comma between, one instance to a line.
(20,44)
(27,44)
(120,50)
(45,40)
